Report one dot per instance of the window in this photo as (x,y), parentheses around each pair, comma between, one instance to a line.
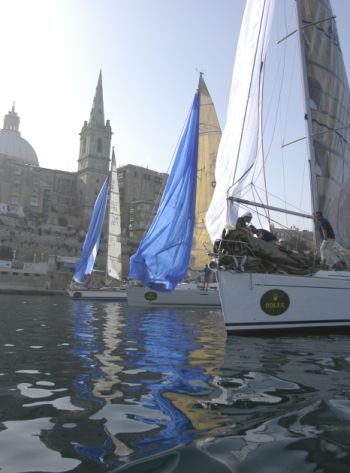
(99,145)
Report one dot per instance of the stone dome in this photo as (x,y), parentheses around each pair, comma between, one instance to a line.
(12,145)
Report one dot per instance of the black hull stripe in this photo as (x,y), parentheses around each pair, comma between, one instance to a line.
(209,306)
(288,323)
(304,287)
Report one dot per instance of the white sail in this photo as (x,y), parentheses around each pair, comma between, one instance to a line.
(266,287)
(240,137)
(114,227)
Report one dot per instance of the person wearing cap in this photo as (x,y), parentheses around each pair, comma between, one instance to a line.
(244,220)
(263,234)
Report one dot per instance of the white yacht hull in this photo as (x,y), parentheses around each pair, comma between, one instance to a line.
(103,294)
(181,296)
(257,303)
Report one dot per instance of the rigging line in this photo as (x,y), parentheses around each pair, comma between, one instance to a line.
(289,95)
(302,184)
(159,197)
(315,23)
(255,163)
(301,209)
(304,27)
(267,213)
(277,108)
(259,214)
(248,101)
(312,135)
(279,102)
(262,142)
(280,74)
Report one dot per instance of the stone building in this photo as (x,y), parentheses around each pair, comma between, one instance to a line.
(46,212)
(140,193)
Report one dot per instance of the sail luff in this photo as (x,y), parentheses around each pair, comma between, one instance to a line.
(92,240)
(208,145)
(163,256)
(239,146)
(114,269)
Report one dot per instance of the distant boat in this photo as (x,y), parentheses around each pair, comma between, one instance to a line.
(177,242)
(262,288)
(79,287)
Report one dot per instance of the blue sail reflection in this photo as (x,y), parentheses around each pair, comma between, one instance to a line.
(85,348)
(163,366)
(138,381)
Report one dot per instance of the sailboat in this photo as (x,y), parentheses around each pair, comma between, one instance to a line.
(85,265)
(260,294)
(177,239)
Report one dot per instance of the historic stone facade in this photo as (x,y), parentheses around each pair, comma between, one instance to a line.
(46,212)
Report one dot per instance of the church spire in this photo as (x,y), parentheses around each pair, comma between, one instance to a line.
(97,116)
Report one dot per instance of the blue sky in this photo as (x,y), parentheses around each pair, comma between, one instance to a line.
(149,51)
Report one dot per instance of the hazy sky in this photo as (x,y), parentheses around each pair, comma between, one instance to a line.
(149,51)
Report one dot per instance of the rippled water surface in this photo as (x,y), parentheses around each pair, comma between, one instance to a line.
(97,387)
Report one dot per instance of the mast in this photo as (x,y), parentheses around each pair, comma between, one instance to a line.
(308,118)
(108,222)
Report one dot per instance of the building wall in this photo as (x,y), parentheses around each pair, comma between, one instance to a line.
(47,212)
(44,217)
(140,193)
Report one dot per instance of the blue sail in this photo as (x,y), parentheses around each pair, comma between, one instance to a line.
(163,256)
(92,240)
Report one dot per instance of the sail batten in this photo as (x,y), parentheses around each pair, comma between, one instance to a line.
(163,256)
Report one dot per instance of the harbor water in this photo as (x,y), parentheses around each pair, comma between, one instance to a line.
(99,387)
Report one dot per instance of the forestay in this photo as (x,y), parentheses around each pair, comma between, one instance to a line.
(163,256)
(239,146)
(92,240)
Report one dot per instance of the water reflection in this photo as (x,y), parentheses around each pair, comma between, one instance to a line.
(146,371)
(34,393)
(164,374)
(162,380)
(288,404)
(92,387)
(96,328)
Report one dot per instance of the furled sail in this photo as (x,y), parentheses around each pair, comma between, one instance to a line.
(163,256)
(92,240)
(239,146)
(329,104)
(208,144)
(114,227)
